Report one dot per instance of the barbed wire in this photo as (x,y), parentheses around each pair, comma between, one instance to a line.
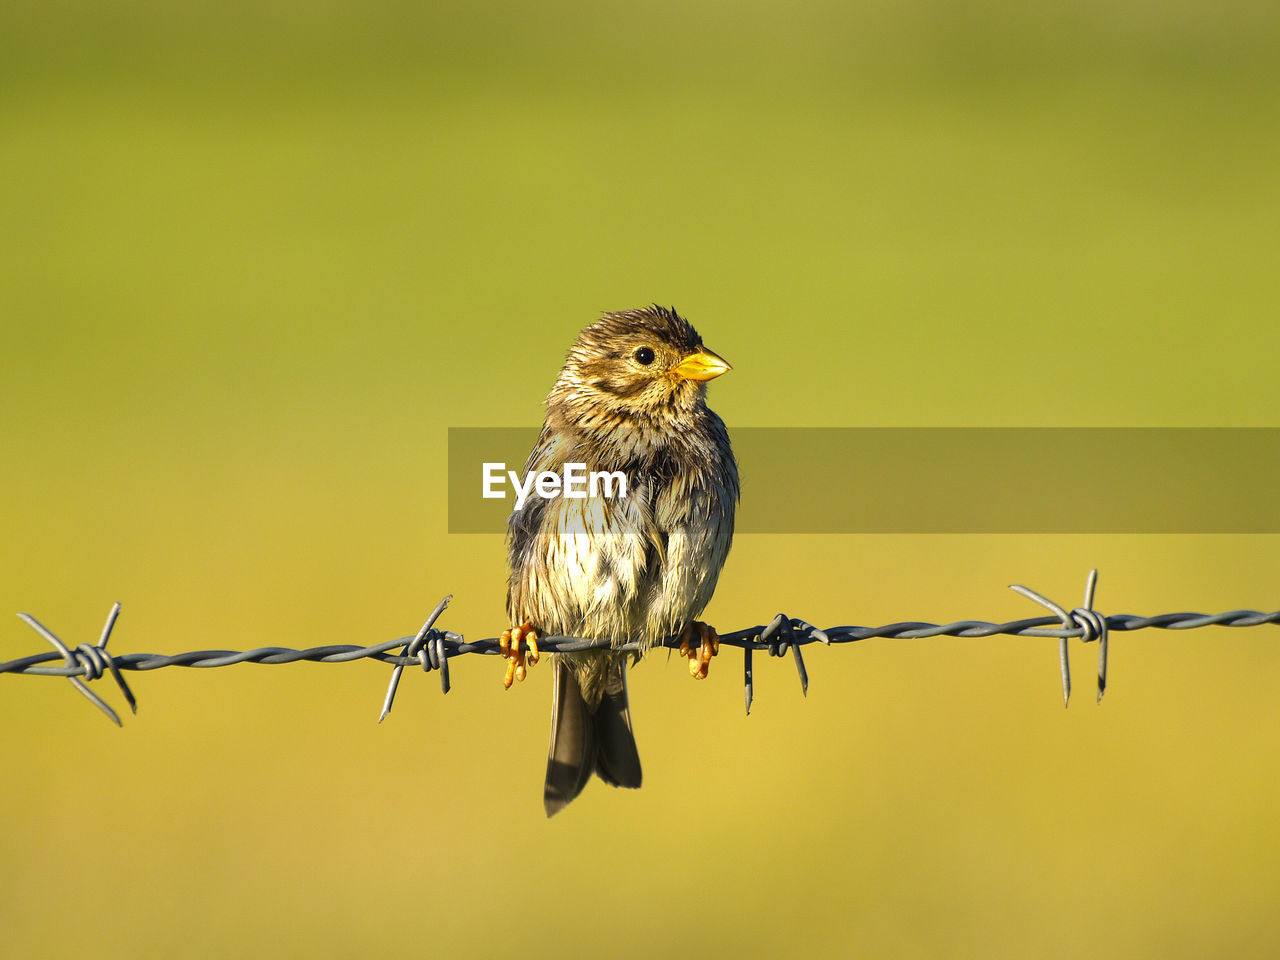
(431,649)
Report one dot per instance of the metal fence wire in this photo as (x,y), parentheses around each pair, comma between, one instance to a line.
(432,649)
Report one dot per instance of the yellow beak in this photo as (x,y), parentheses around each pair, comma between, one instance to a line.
(701,365)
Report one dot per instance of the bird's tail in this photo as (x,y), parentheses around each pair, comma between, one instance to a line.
(586,741)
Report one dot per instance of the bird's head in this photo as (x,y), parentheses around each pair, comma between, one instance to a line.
(647,363)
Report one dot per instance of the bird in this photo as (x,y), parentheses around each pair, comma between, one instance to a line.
(633,569)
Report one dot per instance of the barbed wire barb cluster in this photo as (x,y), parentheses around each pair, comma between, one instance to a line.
(432,648)
(89,661)
(430,655)
(1092,626)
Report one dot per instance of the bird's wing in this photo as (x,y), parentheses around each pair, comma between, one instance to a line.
(695,512)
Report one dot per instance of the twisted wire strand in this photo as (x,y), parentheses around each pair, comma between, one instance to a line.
(431,648)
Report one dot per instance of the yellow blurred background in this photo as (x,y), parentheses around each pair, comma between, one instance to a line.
(258,257)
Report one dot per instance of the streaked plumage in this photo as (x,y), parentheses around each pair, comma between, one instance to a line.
(633,569)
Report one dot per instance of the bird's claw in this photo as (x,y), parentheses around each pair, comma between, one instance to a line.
(518,659)
(700,656)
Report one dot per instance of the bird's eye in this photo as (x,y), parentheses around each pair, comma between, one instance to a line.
(644,356)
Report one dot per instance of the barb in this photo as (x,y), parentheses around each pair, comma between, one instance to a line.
(88,661)
(430,655)
(1092,627)
(432,648)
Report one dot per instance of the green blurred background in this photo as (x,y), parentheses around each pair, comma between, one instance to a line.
(257,257)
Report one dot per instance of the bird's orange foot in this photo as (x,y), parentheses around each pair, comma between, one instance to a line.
(700,656)
(515,654)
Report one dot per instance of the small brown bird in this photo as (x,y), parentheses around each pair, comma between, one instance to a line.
(635,568)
